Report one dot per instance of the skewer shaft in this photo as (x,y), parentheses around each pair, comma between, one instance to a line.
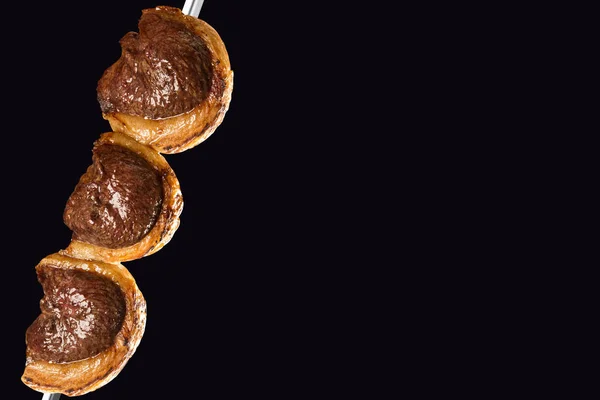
(192,7)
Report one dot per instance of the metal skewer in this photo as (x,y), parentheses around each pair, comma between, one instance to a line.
(191,7)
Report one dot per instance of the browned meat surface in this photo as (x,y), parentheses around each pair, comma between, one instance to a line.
(116,202)
(164,70)
(81,314)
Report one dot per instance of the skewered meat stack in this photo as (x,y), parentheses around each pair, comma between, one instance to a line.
(167,93)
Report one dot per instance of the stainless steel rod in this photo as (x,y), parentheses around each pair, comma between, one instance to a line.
(192,7)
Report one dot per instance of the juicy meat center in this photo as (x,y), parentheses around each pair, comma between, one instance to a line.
(117,201)
(82,312)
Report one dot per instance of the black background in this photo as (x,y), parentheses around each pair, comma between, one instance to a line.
(230,296)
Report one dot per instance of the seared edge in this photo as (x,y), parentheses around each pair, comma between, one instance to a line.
(166,223)
(182,132)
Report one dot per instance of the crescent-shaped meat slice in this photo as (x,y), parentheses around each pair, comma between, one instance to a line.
(126,205)
(172,85)
(93,317)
